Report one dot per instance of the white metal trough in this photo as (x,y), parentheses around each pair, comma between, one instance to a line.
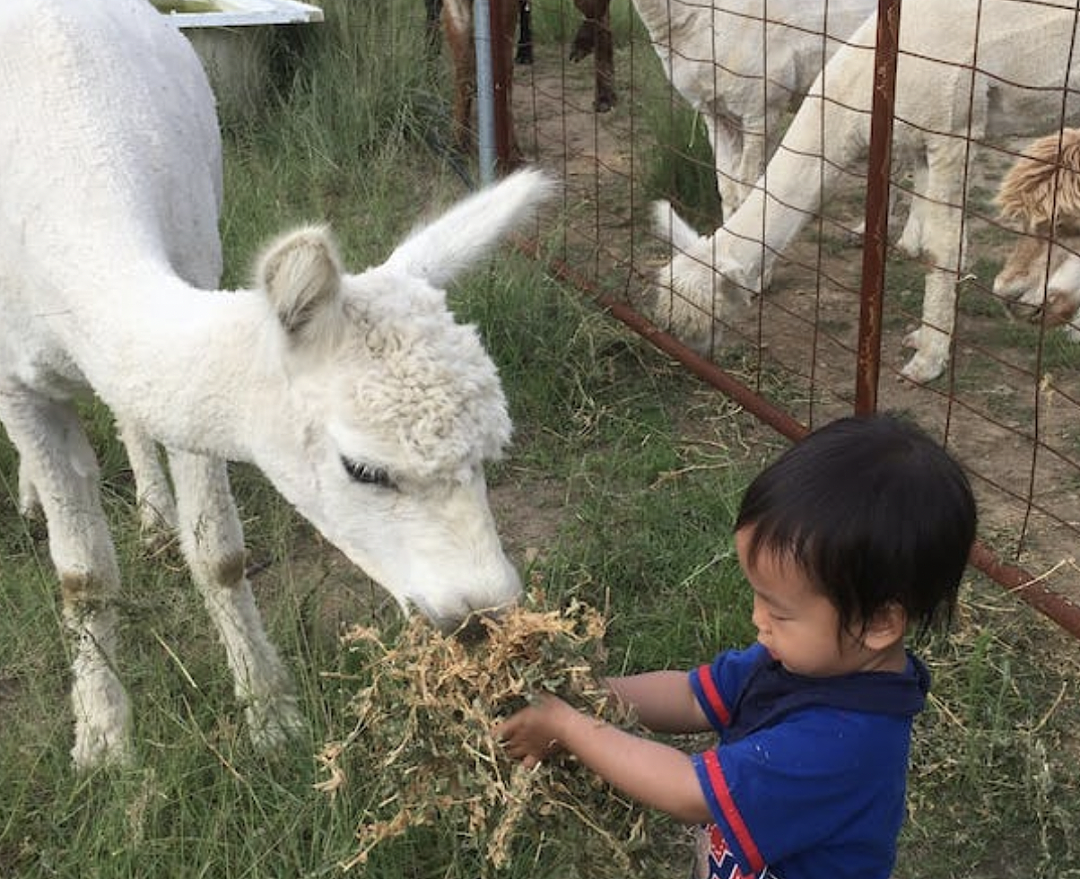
(233,38)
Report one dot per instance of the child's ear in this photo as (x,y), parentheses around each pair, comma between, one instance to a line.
(886,627)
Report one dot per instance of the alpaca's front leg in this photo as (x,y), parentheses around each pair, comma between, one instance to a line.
(912,238)
(752,159)
(153,496)
(213,544)
(933,338)
(157,509)
(457,29)
(944,243)
(56,459)
(29,503)
(726,137)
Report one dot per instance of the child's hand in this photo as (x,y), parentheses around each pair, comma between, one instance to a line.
(532,734)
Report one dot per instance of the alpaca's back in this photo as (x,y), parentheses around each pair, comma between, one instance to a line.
(108,144)
(722,56)
(1021,52)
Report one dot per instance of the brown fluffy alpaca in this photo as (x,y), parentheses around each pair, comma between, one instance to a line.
(1041,193)
(457,24)
(1045,178)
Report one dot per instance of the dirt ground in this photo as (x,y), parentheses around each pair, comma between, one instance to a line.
(1008,407)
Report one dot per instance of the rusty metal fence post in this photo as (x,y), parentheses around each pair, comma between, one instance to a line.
(875,240)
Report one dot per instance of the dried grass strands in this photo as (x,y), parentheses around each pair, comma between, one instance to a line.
(424,740)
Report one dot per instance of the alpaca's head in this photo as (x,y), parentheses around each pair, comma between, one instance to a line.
(1029,276)
(1040,195)
(395,408)
(701,288)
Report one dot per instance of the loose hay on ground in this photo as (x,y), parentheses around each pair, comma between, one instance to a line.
(424,739)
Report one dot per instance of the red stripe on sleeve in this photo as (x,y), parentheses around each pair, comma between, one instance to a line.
(731,811)
(708,687)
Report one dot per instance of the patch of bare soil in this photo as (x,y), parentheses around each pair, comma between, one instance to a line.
(1009,407)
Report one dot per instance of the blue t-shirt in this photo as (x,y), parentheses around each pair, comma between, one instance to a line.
(810,774)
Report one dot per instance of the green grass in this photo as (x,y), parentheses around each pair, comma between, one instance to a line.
(647,466)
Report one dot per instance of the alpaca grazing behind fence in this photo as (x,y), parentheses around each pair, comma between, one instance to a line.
(1025,59)
(742,64)
(1041,194)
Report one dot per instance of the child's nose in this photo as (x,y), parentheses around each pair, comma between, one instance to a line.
(760,617)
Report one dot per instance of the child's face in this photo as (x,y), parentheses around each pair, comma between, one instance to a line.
(796,623)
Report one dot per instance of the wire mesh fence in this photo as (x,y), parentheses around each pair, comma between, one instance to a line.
(808,212)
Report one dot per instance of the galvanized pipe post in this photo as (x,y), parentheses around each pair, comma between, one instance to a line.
(485,90)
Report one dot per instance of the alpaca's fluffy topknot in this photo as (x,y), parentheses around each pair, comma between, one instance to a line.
(1042,188)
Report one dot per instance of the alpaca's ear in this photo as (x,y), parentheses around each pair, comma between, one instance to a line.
(301,274)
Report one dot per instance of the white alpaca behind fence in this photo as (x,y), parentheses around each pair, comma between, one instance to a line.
(358,395)
(742,64)
(977,69)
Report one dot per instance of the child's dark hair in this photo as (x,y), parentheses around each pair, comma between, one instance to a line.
(874,512)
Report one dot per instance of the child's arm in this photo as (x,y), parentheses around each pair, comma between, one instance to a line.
(663,701)
(652,773)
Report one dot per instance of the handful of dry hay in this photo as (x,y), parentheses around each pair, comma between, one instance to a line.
(424,736)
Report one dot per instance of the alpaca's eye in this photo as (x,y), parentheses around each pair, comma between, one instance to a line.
(366,473)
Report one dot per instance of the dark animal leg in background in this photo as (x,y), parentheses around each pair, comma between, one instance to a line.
(459,40)
(594,35)
(525,45)
(584,40)
(433,10)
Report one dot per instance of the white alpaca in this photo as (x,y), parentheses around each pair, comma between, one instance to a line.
(359,396)
(1021,53)
(1041,193)
(742,64)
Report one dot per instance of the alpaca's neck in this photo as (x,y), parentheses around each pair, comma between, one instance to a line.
(785,198)
(662,17)
(194,368)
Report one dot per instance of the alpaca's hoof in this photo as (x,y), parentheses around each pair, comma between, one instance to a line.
(604,103)
(101,743)
(30,508)
(87,756)
(580,50)
(909,245)
(29,502)
(912,339)
(923,368)
(157,528)
(273,724)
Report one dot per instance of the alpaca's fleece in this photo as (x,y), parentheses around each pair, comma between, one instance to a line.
(968,69)
(742,64)
(1041,194)
(1044,180)
(436,393)
(358,396)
